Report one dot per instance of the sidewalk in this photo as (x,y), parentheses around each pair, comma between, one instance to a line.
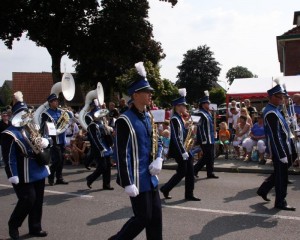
(238,166)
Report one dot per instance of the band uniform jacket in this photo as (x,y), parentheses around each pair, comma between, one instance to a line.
(98,138)
(52,116)
(178,135)
(19,157)
(205,128)
(133,147)
(277,133)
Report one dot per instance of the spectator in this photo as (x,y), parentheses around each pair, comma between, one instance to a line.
(122,106)
(242,132)
(229,114)
(296,100)
(4,124)
(256,138)
(165,138)
(79,149)
(224,138)
(251,110)
(235,116)
(244,112)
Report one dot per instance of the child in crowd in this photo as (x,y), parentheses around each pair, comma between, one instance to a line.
(224,137)
(165,138)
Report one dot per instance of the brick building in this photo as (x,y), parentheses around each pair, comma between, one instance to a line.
(288,48)
(36,87)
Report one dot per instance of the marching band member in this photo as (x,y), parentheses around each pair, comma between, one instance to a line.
(206,138)
(177,150)
(101,143)
(25,174)
(48,123)
(136,173)
(279,146)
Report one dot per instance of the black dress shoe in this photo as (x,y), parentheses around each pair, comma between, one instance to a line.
(89,184)
(87,167)
(13,233)
(39,234)
(166,194)
(108,188)
(212,176)
(264,196)
(61,181)
(51,181)
(192,198)
(286,208)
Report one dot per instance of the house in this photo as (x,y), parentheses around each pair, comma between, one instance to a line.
(36,87)
(288,49)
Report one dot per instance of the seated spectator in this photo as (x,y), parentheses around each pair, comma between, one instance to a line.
(251,110)
(242,132)
(224,138)
(244,112)
(79,150)
(256,138)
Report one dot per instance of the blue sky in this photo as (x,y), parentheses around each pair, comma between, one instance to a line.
(238,32)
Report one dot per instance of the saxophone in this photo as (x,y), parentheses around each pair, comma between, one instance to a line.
(189,140)
(154,137)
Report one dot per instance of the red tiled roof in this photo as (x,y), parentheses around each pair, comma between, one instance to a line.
(35,87)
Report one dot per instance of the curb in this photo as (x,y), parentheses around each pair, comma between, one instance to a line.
(238,169)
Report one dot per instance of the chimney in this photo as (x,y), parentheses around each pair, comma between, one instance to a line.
(296,18)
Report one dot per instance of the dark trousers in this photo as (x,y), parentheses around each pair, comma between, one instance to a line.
(207,159)
(30,203)
(57,162)
(147,214)
(278,179)
(185,169)
(104,168)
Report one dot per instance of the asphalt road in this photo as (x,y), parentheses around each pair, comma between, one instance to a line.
(229,209)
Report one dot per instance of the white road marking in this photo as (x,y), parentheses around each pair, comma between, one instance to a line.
(185,208)
(234,212)
(59,193)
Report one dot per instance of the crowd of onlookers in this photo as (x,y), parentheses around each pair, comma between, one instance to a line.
(242,135)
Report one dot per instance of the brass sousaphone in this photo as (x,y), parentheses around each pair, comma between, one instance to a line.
(66,87)
(98,93)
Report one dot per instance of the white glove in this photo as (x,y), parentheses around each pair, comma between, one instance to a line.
(185,156)
(44,142)
(14,179)
(156,166)
(132,190)
(284,160)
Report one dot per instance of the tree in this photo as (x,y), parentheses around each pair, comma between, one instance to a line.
(121,36)
(51,24)
(217,95)
(197,72)
(238,72)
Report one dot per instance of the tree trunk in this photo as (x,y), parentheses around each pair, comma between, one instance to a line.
(56,73)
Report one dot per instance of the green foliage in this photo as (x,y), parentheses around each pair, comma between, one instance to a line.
(121,36)
(6,95)
(164,90)
(238,72)
(198,71)
(217,95)
(49,23)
